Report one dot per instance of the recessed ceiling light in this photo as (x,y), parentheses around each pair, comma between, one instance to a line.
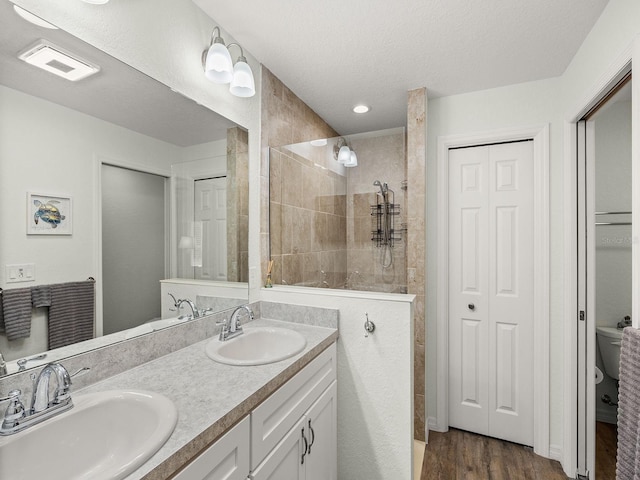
(56,60)
(321,142)
(361,109)
(31,18)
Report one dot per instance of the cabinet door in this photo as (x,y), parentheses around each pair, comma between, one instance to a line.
(321,421)
(288,459)
(226,459)
(274,417)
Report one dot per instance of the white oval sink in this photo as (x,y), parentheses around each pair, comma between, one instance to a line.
(106,435)
(257,346)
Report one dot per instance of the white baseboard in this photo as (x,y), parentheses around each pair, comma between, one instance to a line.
(432,424)
(555,453)
(606,414)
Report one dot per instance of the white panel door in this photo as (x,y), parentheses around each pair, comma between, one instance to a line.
(491,290)
(211,229)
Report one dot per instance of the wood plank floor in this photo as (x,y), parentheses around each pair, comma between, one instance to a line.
(459,455)
(606,445)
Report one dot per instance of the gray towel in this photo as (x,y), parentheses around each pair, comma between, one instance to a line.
(41,296)
(71,314)
(15,319)
(628,459)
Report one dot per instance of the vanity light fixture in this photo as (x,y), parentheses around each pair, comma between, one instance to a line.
(343,153)
(31,18)
(219,67)
(53,59)
(361,108)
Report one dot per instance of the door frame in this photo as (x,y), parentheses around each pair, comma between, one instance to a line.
(99,160)
(578,454)
(540,136)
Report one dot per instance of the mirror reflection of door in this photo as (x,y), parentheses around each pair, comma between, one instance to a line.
(210,211)
(133,246)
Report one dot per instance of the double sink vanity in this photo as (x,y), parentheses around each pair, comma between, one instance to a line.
(259,404)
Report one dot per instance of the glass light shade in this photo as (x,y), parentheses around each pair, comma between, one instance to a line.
(353,160)
(218,67)
(242,84)
(344,155)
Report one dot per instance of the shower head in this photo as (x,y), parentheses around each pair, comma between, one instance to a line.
(383,187)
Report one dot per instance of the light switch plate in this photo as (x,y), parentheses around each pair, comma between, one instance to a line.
(23,272)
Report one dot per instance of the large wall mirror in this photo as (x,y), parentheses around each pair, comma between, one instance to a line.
(115,181)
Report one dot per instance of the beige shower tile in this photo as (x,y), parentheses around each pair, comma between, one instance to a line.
(292,269)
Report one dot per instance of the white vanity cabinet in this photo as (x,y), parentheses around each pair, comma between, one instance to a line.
(291,435)
(227,459)
(308,451)
(294,431)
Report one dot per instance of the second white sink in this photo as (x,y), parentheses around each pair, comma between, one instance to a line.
(257,346)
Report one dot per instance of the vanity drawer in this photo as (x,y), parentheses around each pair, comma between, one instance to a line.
(272,419)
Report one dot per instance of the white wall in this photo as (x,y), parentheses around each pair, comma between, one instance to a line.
(375,376)
(549,101)
(50,149)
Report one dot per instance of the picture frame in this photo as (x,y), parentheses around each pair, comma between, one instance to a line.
(49,214)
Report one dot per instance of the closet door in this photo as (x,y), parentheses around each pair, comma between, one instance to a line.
(491,290)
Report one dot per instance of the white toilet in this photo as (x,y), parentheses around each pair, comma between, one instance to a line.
(609,339)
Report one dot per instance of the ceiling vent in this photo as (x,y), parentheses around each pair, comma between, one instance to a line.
(56,60)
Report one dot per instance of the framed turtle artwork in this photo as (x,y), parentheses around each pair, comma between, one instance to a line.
(49,214)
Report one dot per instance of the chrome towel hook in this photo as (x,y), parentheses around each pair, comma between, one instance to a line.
(369,326)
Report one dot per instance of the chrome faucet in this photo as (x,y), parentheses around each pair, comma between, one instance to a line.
(195,313)
(232,327)
(17,418)
(40,399)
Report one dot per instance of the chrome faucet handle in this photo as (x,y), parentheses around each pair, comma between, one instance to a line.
(22,363)
(224,331)
(15,411)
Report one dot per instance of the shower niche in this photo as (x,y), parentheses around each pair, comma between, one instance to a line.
(336,226)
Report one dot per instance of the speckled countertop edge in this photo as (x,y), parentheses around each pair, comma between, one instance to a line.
(210,397)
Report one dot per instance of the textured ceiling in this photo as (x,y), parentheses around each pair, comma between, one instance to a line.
(334,53)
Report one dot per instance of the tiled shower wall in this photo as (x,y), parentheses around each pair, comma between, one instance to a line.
(308,221)
(416,254)
(381,156)
(285,119)
(238,205)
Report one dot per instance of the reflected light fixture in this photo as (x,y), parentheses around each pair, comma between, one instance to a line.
(30,17)
(343,154)
(219,67)
(320,142)
(361,108)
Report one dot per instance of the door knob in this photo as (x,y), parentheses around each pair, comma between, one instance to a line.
(471,306)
